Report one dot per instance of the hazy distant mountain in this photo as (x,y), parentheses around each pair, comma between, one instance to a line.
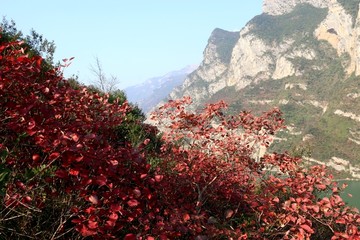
(149,93)
(302,56)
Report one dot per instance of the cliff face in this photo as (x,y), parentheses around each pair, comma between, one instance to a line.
(342,31)
(300,55)
(209,78)
(278,7)
(340,28)
(252,55)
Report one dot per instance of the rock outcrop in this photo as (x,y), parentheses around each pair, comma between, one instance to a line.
(300,55)
(279,7)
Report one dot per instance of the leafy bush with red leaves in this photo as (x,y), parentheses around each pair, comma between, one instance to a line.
(222,186)
(65,174)
(61,158)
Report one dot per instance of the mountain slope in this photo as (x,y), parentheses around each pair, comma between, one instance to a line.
(302,56)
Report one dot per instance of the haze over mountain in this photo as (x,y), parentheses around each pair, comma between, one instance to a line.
(301,56)
(149,93)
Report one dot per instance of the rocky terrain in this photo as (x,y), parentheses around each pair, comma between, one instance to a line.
(302,56)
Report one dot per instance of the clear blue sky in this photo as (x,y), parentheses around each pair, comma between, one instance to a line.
(134,39)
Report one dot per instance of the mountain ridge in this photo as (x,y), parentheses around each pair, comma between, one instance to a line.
(150,92)
(299,55)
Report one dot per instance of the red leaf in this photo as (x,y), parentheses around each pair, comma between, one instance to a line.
(110,223)
(229,213)
(94,199)
(137,192)
(76,220)
(316,208)
(75,210)
(54,155)
(100,180)
(31,124)
(341,221)
(130,236)
(61,173)
(92,224)
(115,207)
(163,237)
(85,231)
(186,217)
(74,172)
(133,203)
(74,137)
(27,199)
(276,199)
(38,61)
(158,178)
(114,162)
(36,157)
(113,217)
(90,210)
(146,141)
(307,228)
(79,159)
(320,186)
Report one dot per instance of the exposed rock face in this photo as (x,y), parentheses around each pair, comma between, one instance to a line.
(248,60)
(251,59)
(300,55)
(209,77)
(339,30)
(278,7)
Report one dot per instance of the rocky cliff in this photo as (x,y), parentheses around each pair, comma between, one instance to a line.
(301,55)
(279,7)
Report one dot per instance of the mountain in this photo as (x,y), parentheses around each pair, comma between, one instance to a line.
(302,56)
(149,93)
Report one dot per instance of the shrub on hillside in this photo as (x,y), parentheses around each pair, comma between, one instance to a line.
(71,168)
(232,191)
(62,166)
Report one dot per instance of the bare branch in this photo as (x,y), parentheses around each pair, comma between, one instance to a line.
(103,83)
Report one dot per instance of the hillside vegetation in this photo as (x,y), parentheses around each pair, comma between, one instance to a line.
(77,163)
(304,18)
(351,7)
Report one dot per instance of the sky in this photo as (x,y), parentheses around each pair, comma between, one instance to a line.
(134,39)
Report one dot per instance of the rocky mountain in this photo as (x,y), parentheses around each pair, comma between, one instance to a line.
(302,56)
(149,93)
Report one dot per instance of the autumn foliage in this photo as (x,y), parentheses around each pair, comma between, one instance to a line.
(234,191)
(67,173)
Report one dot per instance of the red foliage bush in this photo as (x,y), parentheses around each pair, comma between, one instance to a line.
(59,146)
(222,186)
(66,139)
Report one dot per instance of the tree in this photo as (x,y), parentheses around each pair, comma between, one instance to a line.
(102,82)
